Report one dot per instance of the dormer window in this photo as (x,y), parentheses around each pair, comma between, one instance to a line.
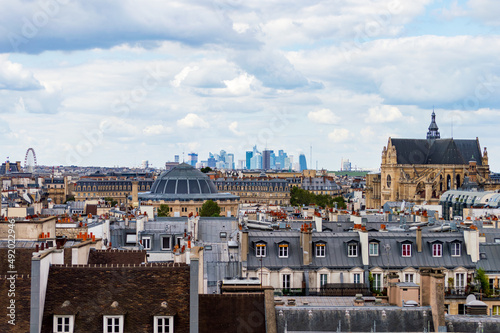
(352,250)
(373,247)
(320,250)
(437,250)
(260,250)
(113,324)
(456,249)
(283,250)
(163,324)
(63,324)
(406,249)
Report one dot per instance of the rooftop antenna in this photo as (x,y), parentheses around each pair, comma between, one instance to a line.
(452,124)
(311,156)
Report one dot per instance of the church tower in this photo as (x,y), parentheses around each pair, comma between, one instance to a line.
(433,133)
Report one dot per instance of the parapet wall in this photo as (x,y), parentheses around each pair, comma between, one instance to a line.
(354,319)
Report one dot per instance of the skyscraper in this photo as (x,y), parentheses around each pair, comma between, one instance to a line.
(193,159)
(249,156)
(266,159)
(302,162)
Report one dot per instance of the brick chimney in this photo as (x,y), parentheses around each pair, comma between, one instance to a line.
(244,245)
(306,232)
(432,294)
(419,239)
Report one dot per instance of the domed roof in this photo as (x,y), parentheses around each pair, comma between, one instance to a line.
(183,179)
(184,183)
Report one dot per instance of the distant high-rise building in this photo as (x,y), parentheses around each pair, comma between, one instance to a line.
(176,158)
(145,164)
(256,161)
(266,159)
(230,161)
(302,162)
(193,159)
(249,156)
(211,162)
(242,164)
(345,165)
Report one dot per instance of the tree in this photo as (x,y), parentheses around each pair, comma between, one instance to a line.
(69,198)
(163,210)
(206,169)
(299,197)
(210,208)
(482,278)
(112,202)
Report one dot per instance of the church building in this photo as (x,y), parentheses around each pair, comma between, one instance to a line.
(420,170)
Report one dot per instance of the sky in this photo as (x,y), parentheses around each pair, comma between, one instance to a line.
(113,83)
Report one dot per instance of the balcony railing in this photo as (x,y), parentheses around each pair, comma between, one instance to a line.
(457,292)
(330,289)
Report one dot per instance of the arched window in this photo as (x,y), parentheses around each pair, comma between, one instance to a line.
(448,182)
(389,181)
(458,181)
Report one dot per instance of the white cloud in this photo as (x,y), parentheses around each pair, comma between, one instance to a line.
(156,130)
(233,127)
(340,135)
(192,120)
(14,77)
(383,114)
(323,116)
(240,85)
(176,82)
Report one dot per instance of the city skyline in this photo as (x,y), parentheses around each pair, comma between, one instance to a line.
(107,85)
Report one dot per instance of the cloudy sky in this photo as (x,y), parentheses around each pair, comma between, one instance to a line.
(117,82)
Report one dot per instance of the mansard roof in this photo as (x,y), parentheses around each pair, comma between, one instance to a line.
(440,151)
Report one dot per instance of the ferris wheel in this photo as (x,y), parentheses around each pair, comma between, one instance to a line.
(30,160)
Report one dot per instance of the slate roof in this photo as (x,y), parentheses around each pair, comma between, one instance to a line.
(336,250)
(489,257)
(395,260)
(139,292)
(440,151)
(271,260)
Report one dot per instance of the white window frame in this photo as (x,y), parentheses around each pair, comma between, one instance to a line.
(356,278)
(495,310)
(148,241)
(260,250)
(323,279)
(320,250)
(377,281)
(456,249)
(408,250)
(169,242)
(283,250)
(352,250)
(409,277)
(460,282)
(113,330)
(437,250)
(286,279)
(70,324)
(162,330)
(374,249)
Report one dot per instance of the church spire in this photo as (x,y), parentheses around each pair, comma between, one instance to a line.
(433,133)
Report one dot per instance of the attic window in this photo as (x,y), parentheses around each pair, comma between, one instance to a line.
(406,249)
(482,256)
(283,250)
(223,234)
(163,324)
(352,250)
(260,250)
(63,324)
(113,324)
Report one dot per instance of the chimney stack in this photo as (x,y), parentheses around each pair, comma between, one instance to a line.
(419,239)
